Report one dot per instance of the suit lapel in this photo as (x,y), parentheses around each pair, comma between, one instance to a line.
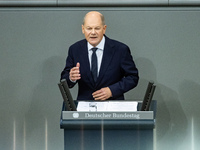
(107,57)
(85,61)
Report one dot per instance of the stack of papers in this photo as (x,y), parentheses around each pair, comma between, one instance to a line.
(108,106)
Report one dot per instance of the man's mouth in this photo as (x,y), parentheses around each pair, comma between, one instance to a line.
(93,37)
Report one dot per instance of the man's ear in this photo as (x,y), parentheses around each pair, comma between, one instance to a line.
(104,28)
(83,31)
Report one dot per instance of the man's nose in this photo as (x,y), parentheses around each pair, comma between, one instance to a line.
(93,31)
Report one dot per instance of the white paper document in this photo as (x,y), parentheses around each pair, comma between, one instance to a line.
(108,106)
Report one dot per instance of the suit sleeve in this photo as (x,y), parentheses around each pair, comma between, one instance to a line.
(130,75)
(68,66)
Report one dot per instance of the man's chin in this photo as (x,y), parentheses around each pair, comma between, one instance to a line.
(93,43)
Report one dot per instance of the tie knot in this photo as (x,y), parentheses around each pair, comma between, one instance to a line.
(94,49)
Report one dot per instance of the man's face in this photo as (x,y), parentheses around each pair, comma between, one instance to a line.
(93,29)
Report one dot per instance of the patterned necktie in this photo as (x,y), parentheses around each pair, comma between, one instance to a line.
(94,64)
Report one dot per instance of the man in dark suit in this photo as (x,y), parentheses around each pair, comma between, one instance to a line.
(115,69)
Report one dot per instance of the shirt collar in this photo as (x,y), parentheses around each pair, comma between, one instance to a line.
(99,46)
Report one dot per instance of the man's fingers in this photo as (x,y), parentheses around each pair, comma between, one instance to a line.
(78,64)
(75,73)
(75,69)
(102,94)
(102,97)
(96,93)
(97,96)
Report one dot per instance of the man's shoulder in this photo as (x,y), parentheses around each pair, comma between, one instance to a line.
(78,43)
(115,42)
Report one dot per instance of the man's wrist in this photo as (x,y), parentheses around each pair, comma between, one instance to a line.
(72,81)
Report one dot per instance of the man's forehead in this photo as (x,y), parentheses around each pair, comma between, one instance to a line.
(93,23)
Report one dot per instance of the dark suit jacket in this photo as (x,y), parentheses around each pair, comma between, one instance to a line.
(118,70)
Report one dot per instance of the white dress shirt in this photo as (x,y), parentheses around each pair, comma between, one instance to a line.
(99,52)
